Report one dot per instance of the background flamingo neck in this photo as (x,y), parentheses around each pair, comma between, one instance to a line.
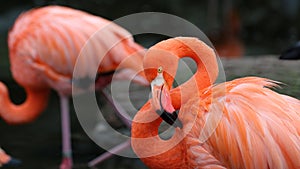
(35,103)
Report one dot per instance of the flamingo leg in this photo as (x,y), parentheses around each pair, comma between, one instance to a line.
(109,153)
(121,113)
(66,136)
(126,120)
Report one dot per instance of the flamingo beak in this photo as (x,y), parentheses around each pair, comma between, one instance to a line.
(162,103)
(161,94)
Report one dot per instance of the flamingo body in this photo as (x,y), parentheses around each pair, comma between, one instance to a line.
(44,46)
(292,53)
(236,124)
(45,43)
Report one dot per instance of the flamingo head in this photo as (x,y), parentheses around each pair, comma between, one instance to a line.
(160,67)
(161,93)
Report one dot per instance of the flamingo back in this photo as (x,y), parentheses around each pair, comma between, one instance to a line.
(52,38)
(258,128)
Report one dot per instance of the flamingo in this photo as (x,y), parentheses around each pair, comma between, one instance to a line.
(237,124)
(44,44)
(292,53)
(7,160)
(226,40)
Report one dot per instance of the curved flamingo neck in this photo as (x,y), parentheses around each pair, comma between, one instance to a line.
(207,67)
(154,151)
(35,103)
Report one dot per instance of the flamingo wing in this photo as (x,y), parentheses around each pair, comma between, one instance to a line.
(245,125)
(51,39)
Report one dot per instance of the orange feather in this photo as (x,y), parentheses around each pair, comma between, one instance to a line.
(44,44)
(236,124)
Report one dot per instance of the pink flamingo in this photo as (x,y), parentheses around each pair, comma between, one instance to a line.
(236,124)
(44,44)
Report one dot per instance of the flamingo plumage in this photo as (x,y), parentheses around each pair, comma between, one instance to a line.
(44,45)
(237,124)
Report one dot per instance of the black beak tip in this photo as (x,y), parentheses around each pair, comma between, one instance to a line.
(170,118)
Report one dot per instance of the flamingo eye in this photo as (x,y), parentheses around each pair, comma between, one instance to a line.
(160,69)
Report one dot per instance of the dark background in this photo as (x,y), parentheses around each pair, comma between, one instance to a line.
(261,21)
(264,26)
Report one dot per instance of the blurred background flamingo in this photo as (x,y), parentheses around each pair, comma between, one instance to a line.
(44,44)
(225,31)
(237,124)
(292,53)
